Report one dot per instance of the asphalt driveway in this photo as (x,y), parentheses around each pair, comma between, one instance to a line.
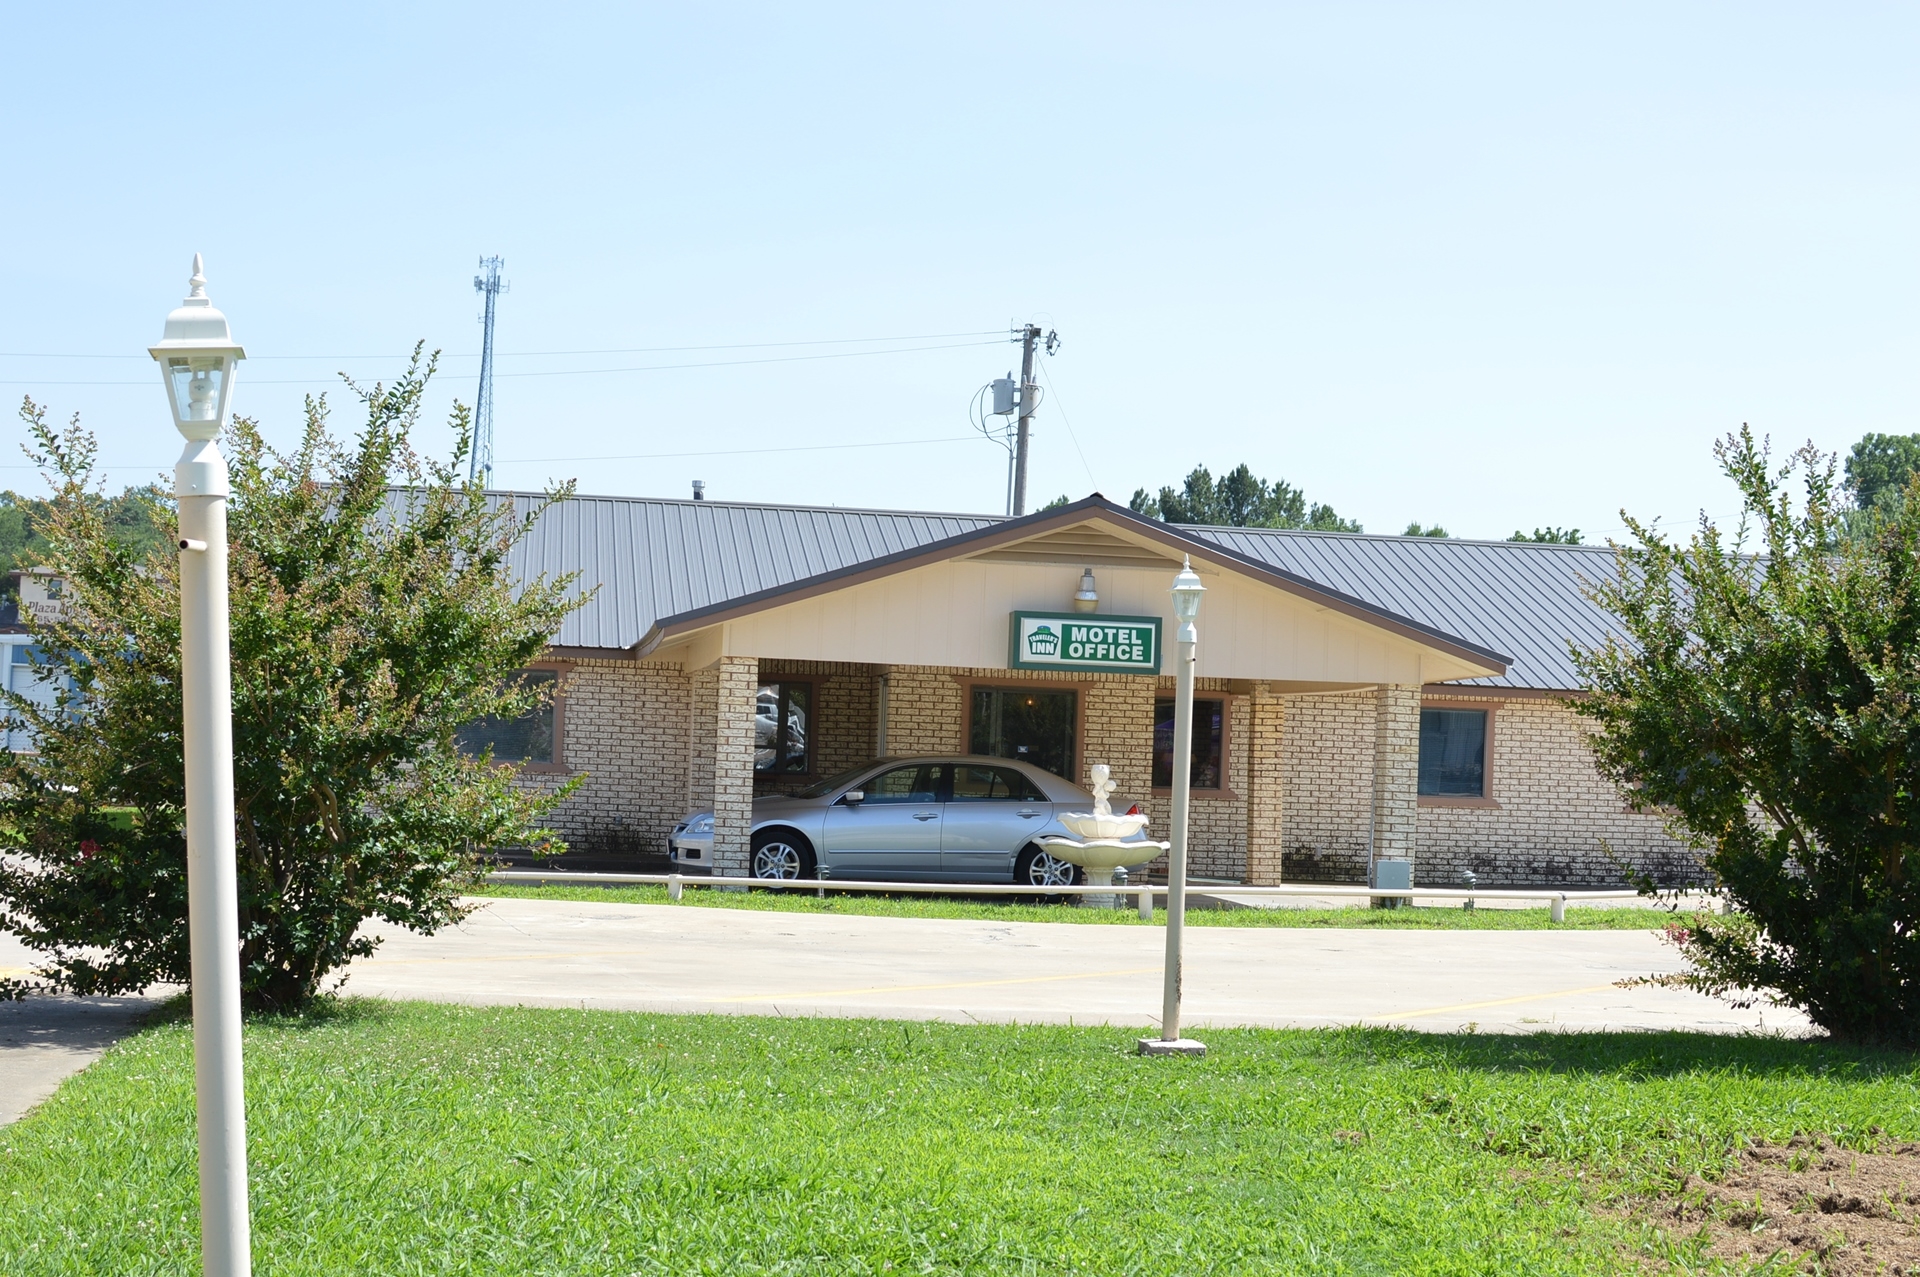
(691,959)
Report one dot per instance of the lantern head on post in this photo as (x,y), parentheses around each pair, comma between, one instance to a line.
(197,358)
(1186,599)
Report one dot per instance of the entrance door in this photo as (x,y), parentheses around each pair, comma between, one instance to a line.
(990,815)
(895,832)
(1034,725)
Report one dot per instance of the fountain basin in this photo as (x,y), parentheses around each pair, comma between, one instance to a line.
(1102,826)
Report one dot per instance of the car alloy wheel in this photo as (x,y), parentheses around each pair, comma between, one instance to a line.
(778,859)
(1046,870)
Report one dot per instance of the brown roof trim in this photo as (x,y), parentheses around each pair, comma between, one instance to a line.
(1472,692)
(557,653)
(1028,525)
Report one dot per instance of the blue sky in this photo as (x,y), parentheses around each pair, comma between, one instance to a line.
(1487,266)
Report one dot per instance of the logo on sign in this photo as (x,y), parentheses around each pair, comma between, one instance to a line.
(1128,644)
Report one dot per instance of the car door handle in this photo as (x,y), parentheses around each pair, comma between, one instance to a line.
(1027,815)
(926,815)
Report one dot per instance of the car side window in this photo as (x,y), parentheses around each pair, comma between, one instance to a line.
(917,784)
(1019,787)
(975,784)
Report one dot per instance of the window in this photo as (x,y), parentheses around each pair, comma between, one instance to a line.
(531,738)
(975,784)
(1034,725)
(1453,753)
(1209,744)
(917,784)
(780,729)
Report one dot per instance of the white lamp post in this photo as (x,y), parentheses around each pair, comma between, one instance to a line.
(1186,609)
(197,359)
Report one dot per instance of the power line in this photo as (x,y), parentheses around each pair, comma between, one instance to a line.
(741,452)
(650,456)
(543,354)
(563,372)
(1055,396)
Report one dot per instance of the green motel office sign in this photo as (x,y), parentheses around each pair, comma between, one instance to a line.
(1081,641)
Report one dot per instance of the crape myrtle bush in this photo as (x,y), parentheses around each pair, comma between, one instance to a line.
(373,615)
(1765,695)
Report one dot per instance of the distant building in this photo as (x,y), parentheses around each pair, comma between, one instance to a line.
(38,596)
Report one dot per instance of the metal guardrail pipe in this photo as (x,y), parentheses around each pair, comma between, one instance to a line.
(677,883)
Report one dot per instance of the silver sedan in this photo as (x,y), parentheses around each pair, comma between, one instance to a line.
(958,818)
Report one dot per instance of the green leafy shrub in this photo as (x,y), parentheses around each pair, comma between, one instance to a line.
(373,614)
(1766,697)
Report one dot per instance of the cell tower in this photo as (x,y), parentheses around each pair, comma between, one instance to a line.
(480,464)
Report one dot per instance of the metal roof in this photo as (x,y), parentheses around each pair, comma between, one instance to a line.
(654,559)
(1524,599)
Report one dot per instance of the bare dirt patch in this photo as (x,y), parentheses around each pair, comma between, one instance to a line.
(1828,1209)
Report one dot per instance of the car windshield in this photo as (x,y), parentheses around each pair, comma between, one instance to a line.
(821,788)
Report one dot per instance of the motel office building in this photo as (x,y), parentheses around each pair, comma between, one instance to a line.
(1357,695)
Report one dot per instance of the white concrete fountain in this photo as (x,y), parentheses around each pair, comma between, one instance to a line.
(1103,841)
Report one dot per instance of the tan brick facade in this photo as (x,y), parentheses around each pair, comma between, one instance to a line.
(1262,739)
(1306,784)
(1328,786)
(1558,820)
(1396,772)
(625,730)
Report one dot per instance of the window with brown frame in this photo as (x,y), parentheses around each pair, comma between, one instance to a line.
(1453,752)
(1208,769)
(533,740)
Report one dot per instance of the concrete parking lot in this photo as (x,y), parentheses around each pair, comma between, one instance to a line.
(690,959)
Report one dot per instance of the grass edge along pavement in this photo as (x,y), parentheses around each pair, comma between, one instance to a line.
(1001,909)
(418,1137)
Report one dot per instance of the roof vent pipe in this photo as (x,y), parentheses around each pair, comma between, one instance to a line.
(1088,599)
(699,489)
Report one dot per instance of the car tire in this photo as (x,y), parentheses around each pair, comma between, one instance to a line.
(781,853)
(1034,867)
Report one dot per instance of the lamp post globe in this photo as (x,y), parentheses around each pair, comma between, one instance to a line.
(1186,595)
(197,357)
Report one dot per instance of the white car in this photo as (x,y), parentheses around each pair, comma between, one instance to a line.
(959,818)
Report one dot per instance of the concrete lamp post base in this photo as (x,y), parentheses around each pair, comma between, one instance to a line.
(1179,1046)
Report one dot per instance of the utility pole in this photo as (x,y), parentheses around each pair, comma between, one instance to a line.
(1029,338)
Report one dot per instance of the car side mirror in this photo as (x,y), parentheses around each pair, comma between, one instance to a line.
(854,797)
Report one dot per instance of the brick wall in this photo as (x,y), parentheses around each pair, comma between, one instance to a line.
(1558,819)
(625,728)
(1327,786)
(1301,770)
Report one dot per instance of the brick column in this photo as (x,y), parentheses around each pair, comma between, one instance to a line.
(720,749)
(1262,729)
(1396,769)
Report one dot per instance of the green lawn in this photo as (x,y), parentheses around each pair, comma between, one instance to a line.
(415,1139)
(995,909)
